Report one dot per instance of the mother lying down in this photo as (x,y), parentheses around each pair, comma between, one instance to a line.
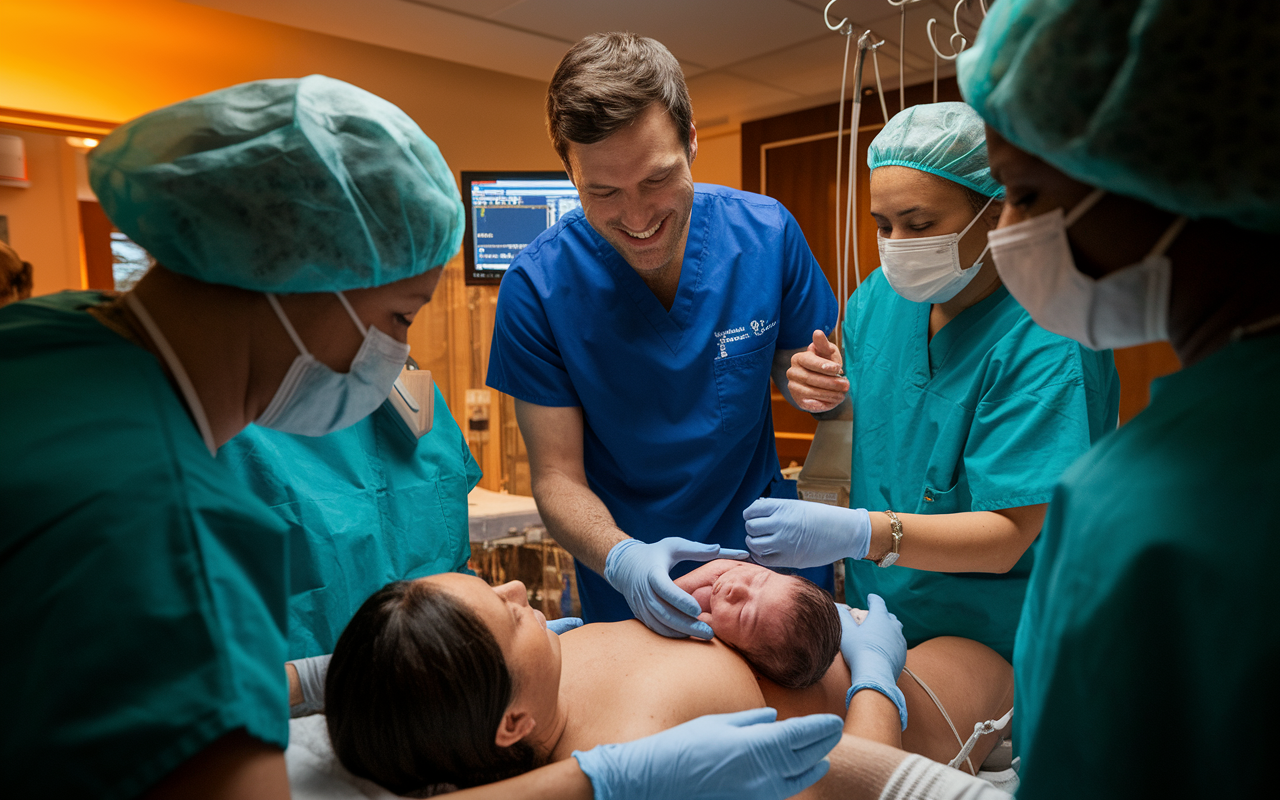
(446,680)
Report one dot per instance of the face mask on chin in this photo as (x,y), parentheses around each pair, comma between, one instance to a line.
(1125,308)
(927,269)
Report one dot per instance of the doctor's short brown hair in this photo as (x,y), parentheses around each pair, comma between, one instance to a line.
(606,81)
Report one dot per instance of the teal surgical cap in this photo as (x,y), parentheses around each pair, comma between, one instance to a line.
(946,139)
(1174,102)
(300,185)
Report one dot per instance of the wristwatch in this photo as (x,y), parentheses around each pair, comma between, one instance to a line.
(895,525)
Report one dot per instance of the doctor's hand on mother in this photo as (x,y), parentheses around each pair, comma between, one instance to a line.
(799,534)
(816,376)
(642,574)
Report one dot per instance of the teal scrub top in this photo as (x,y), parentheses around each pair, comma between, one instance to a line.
(142,597)
(984,416)
(1150,637)
(365,506)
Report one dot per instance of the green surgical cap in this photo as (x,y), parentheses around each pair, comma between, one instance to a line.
(946,139)
(1174,102)
(300,185)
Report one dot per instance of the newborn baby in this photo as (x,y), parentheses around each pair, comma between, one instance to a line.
(784,625)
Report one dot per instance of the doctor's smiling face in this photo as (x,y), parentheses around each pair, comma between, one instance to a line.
(637,189)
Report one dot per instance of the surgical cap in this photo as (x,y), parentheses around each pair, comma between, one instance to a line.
(299,185)
(946,139)
(1174,102)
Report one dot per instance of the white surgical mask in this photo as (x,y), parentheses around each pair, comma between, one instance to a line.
(927,269)
(313,400)
(1127,307)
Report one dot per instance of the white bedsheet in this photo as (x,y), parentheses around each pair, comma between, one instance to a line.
(314,771)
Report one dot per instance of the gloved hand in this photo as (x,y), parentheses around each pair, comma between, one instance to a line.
(876,652)
(798,533)
(311,675)
(716,757)
(642,573)
(563,625)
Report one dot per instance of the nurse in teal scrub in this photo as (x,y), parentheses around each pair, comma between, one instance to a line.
(365,506)
(142,587)
(965,412)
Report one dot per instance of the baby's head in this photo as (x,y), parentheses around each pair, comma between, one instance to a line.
(787,627)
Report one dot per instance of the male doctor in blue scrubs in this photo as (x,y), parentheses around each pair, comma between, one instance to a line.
(638,337)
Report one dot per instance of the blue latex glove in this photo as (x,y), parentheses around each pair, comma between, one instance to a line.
(876,652)
(716,757)
(311,675)
(563,625)
(798,533)
(642,573)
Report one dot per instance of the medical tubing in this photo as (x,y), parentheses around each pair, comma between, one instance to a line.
(980,729)
(902,51)
(964,753)
(875,65)
(844,74)
(850,222)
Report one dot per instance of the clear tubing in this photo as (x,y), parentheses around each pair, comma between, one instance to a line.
(844,74)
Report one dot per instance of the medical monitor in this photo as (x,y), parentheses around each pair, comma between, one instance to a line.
(505,212)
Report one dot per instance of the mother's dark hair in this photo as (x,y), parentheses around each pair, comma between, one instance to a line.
(415,692)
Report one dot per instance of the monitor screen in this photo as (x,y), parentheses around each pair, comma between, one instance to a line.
(505,212)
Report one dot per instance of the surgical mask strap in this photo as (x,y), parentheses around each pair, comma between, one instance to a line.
(973,222)
(293,333)
(280,315)
(975,219)
(179,372)
(1083,207)
(1166,239)
(352,313)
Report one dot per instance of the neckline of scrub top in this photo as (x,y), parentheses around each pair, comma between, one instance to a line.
(171,359)
(944,341)
(670,325)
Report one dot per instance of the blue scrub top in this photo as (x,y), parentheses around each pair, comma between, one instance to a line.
(1149,641)
(142,587)
(678,432)
(365,506)
(984,416)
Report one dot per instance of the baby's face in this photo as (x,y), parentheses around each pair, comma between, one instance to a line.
(744,603)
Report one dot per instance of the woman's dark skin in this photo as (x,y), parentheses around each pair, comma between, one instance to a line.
(1224,277)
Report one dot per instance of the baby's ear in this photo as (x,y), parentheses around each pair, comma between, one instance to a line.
(515,725)
(705,616)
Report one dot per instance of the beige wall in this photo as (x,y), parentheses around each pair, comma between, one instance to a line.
(114,61)
(44,221)
(719,159)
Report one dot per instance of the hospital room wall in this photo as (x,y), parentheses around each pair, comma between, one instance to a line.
(109,62)
(42,219)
